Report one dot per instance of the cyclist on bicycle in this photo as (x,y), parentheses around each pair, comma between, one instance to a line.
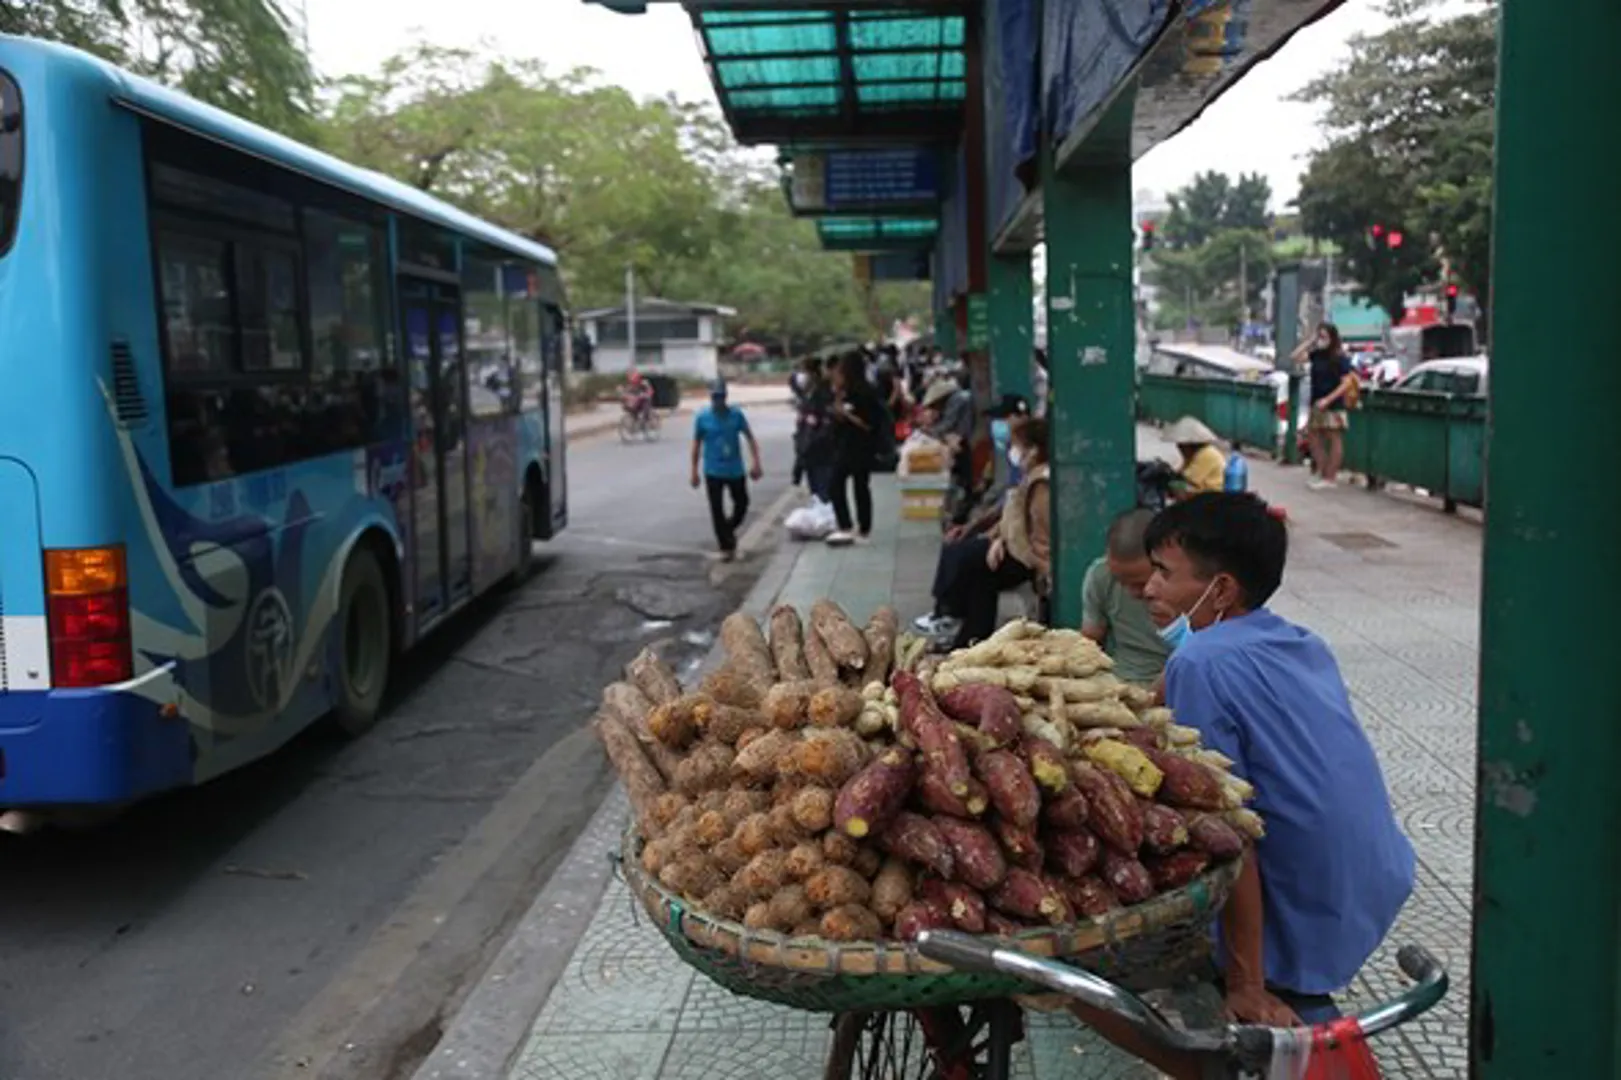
(637,396)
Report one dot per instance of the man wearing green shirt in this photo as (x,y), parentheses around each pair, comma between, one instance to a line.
(1113,613)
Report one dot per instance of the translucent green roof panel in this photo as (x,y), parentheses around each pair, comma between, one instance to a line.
(876,233)
(833,73)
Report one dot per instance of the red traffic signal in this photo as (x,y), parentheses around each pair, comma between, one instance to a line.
(1452,291)
(1378,231)
(1395,239)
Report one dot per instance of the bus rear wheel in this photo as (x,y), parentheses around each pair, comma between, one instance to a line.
(366,630)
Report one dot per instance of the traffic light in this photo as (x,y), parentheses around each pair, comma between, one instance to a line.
(1148,236)
(1392,237)
(1452,300)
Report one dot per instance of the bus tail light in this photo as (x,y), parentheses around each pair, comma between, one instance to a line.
(87,611)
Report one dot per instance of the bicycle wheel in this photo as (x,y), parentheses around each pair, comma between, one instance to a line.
(627,428)
(654,425)
(949,1043)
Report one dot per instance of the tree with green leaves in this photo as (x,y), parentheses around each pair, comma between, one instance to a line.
(607,180)
(1213,201)
(241,55)
(1409,117)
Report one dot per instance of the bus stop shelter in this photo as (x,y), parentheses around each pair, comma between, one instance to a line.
(962,133)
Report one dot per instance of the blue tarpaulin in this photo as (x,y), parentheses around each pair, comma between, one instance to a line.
(951,250)
(1012,114)
(1087,49)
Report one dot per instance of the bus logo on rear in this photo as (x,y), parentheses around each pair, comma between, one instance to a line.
(270,649)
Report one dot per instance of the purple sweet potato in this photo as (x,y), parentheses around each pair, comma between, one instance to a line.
(1024,895)
(1176,870)
(942,748)
(918,916)
(1002,926)
(1012,789)
(1047,764)
(1216,838)
(965,906)
(1090,897)
(1065,811)
(1164,830)
(1073,853)
(916,839)
(1022,846)
(1127,877)
(873,796)
(1187,783)
(978,857)
(935,796)
(991,709)
(1112,811)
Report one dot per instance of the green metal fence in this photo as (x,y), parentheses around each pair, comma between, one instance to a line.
(1431,441)
(1243,413)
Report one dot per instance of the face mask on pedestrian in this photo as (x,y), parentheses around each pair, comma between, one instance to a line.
(1002,433)
(1015,456)
(1176,632)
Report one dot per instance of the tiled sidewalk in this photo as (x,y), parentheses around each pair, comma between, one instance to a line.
(1392,585)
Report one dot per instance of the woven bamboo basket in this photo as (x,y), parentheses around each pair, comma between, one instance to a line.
(1148,945)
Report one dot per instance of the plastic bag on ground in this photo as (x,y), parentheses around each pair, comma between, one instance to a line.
(811,522)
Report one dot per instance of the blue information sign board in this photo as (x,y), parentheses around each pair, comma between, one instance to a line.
(879,179)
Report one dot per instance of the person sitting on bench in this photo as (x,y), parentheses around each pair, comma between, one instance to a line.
(1002,551)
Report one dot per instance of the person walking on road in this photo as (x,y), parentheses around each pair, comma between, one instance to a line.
(717,437)
(857,417)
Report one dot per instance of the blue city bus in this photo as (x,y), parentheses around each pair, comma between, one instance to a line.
(266,420)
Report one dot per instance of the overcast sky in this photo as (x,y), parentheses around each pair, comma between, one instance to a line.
(1251,129)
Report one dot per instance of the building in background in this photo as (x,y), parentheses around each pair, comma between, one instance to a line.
(672,337)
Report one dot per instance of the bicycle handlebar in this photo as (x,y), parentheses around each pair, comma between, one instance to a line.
(1247,1042)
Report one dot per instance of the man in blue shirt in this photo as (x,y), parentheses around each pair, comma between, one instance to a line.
(717,437)
(1323,888)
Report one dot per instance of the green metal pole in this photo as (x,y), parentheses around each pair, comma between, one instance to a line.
(1285,337)
(1091,336)
(1546,998)
(1012,324)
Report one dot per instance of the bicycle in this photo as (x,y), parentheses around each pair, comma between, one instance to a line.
(644,425)
(952,1045)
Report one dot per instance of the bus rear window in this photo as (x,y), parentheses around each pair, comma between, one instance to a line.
(11,160)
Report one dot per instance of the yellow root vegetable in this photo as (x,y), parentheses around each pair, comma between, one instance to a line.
(1129,763)
(1102,687)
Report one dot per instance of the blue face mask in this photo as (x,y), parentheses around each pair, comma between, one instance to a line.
(1176,632)
(1001,433)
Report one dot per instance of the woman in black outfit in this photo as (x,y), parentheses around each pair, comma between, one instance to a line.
(858,416)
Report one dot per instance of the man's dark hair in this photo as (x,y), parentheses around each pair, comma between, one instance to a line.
(1227,532)
(1127,532)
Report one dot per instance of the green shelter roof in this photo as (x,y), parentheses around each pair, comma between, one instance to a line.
(835,74)
(877,233)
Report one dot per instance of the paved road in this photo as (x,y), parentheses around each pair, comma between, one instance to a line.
(319,914)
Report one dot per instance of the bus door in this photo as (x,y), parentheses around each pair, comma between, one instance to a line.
(441,518)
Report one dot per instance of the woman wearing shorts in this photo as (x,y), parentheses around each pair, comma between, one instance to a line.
(1331,383)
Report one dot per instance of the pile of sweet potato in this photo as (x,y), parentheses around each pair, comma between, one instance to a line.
(808,787)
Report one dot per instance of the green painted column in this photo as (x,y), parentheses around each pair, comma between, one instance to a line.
(1012,324)
(1547,948)
(1091,337)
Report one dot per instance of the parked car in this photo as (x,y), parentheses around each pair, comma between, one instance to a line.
(1465,376)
